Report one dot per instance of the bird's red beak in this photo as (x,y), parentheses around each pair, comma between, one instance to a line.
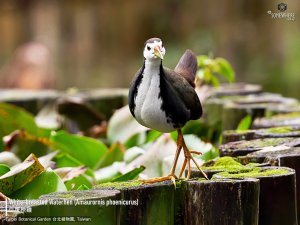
(157,52)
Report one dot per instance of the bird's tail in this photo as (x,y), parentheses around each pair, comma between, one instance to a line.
(187,67)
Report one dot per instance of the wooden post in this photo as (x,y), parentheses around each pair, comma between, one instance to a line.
(276,132)
(241,148)
(277,199)
(91,206)
(221,202)
(281,157)
(235,135)
(237,89)
(31,100)
(21,212)
(155,202)
(280,120)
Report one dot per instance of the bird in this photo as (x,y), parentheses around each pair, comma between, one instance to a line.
(165,100)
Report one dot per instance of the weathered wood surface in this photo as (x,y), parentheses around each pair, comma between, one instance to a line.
(155,203)
(279,120)
(17,211)
(91,204)
(286,157)
(241,148)
(30,100)
(277,132)
(227,111)
(237,89)
(277,198)
(226,202)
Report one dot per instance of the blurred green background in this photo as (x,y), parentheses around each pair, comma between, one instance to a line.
(92,44)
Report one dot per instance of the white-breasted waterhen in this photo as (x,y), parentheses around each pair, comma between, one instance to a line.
(164,99)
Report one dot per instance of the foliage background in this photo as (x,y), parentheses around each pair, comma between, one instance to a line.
(98,43)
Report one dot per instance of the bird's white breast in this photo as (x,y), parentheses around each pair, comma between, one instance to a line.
(148,104)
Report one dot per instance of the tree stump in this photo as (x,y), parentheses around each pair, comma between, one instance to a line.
(221,202)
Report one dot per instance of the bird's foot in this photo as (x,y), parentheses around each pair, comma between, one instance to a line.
(171,177)
(187,162)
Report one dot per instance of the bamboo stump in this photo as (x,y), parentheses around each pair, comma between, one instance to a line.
(221,202)
(155,202)
(277,198)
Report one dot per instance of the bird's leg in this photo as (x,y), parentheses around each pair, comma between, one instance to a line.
(172,175)
(188,157)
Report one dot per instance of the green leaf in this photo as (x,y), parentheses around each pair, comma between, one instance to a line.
(215,81)
(83,187)
(20,175)
(14,118)
(87,150)
(115,153)
(152,135)
(208,75)
(135,140)
(130,175)
(76,182)
(224,68)
(65,160)
(74,177)
(211,154)
(203,60)
(47,182)
(4,169)
(245,123)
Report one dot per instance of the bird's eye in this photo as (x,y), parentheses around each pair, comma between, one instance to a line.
(148,48)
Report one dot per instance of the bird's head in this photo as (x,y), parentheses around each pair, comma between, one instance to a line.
(154,49)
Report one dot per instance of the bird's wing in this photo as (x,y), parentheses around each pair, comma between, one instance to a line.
(133,89)
(187,67)
(186,92)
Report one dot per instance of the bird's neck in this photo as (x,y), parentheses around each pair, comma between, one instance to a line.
(152,65)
